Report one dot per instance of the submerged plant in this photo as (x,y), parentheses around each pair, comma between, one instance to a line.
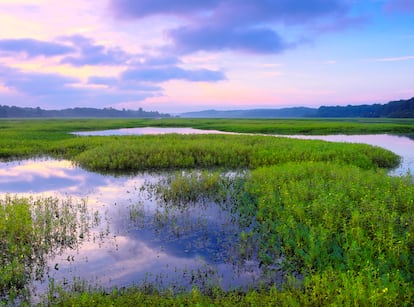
(183,189)
(33,231)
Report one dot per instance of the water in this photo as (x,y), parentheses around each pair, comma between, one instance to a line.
(148,130)
(135,239)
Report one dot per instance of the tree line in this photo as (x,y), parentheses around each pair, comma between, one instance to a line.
(395,109)
(400,108)
(13,112)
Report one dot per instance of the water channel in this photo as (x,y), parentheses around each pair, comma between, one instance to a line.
(130,242)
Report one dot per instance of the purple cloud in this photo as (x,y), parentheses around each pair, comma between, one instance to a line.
(80,51)
(256,12)
(32,48)
(142,8)
(103,80)
(161,74)
(36,84)
(48,90)
(243,25)
(159,61)
(130,85)
(240,11)
(263,40)
(90,53)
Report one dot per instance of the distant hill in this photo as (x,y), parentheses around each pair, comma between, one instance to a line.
(392,109)
(254,113)
(7,112)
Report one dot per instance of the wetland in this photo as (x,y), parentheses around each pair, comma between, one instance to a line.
(204,218)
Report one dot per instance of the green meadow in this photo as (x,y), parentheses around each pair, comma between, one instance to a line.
(340,227)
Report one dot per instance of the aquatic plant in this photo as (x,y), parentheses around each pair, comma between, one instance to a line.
(32,231)
(339,232)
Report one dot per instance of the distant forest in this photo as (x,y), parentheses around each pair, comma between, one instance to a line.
(253,113)
(13,112)
(400,109)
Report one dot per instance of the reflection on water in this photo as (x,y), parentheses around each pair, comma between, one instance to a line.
(401,145)
(135,239)
(149,130)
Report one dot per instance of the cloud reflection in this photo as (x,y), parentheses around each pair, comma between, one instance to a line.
(162,244)
(132,261)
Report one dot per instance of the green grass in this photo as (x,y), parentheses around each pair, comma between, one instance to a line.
(343,228)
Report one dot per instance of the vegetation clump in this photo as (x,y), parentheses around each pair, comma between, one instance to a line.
(347,230)
(343,234)
(166,152)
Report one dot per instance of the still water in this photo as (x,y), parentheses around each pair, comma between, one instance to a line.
(134,238)
(149,130)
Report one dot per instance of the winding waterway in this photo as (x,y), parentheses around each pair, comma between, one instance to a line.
(131,242)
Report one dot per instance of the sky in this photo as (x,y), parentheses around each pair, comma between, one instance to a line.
(176,56)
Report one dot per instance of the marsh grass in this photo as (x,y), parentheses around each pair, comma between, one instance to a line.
(185,188)
(33,231)
(342,234)
(167,152)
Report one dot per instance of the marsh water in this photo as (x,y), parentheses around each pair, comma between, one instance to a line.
(149,130)
(134,238)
